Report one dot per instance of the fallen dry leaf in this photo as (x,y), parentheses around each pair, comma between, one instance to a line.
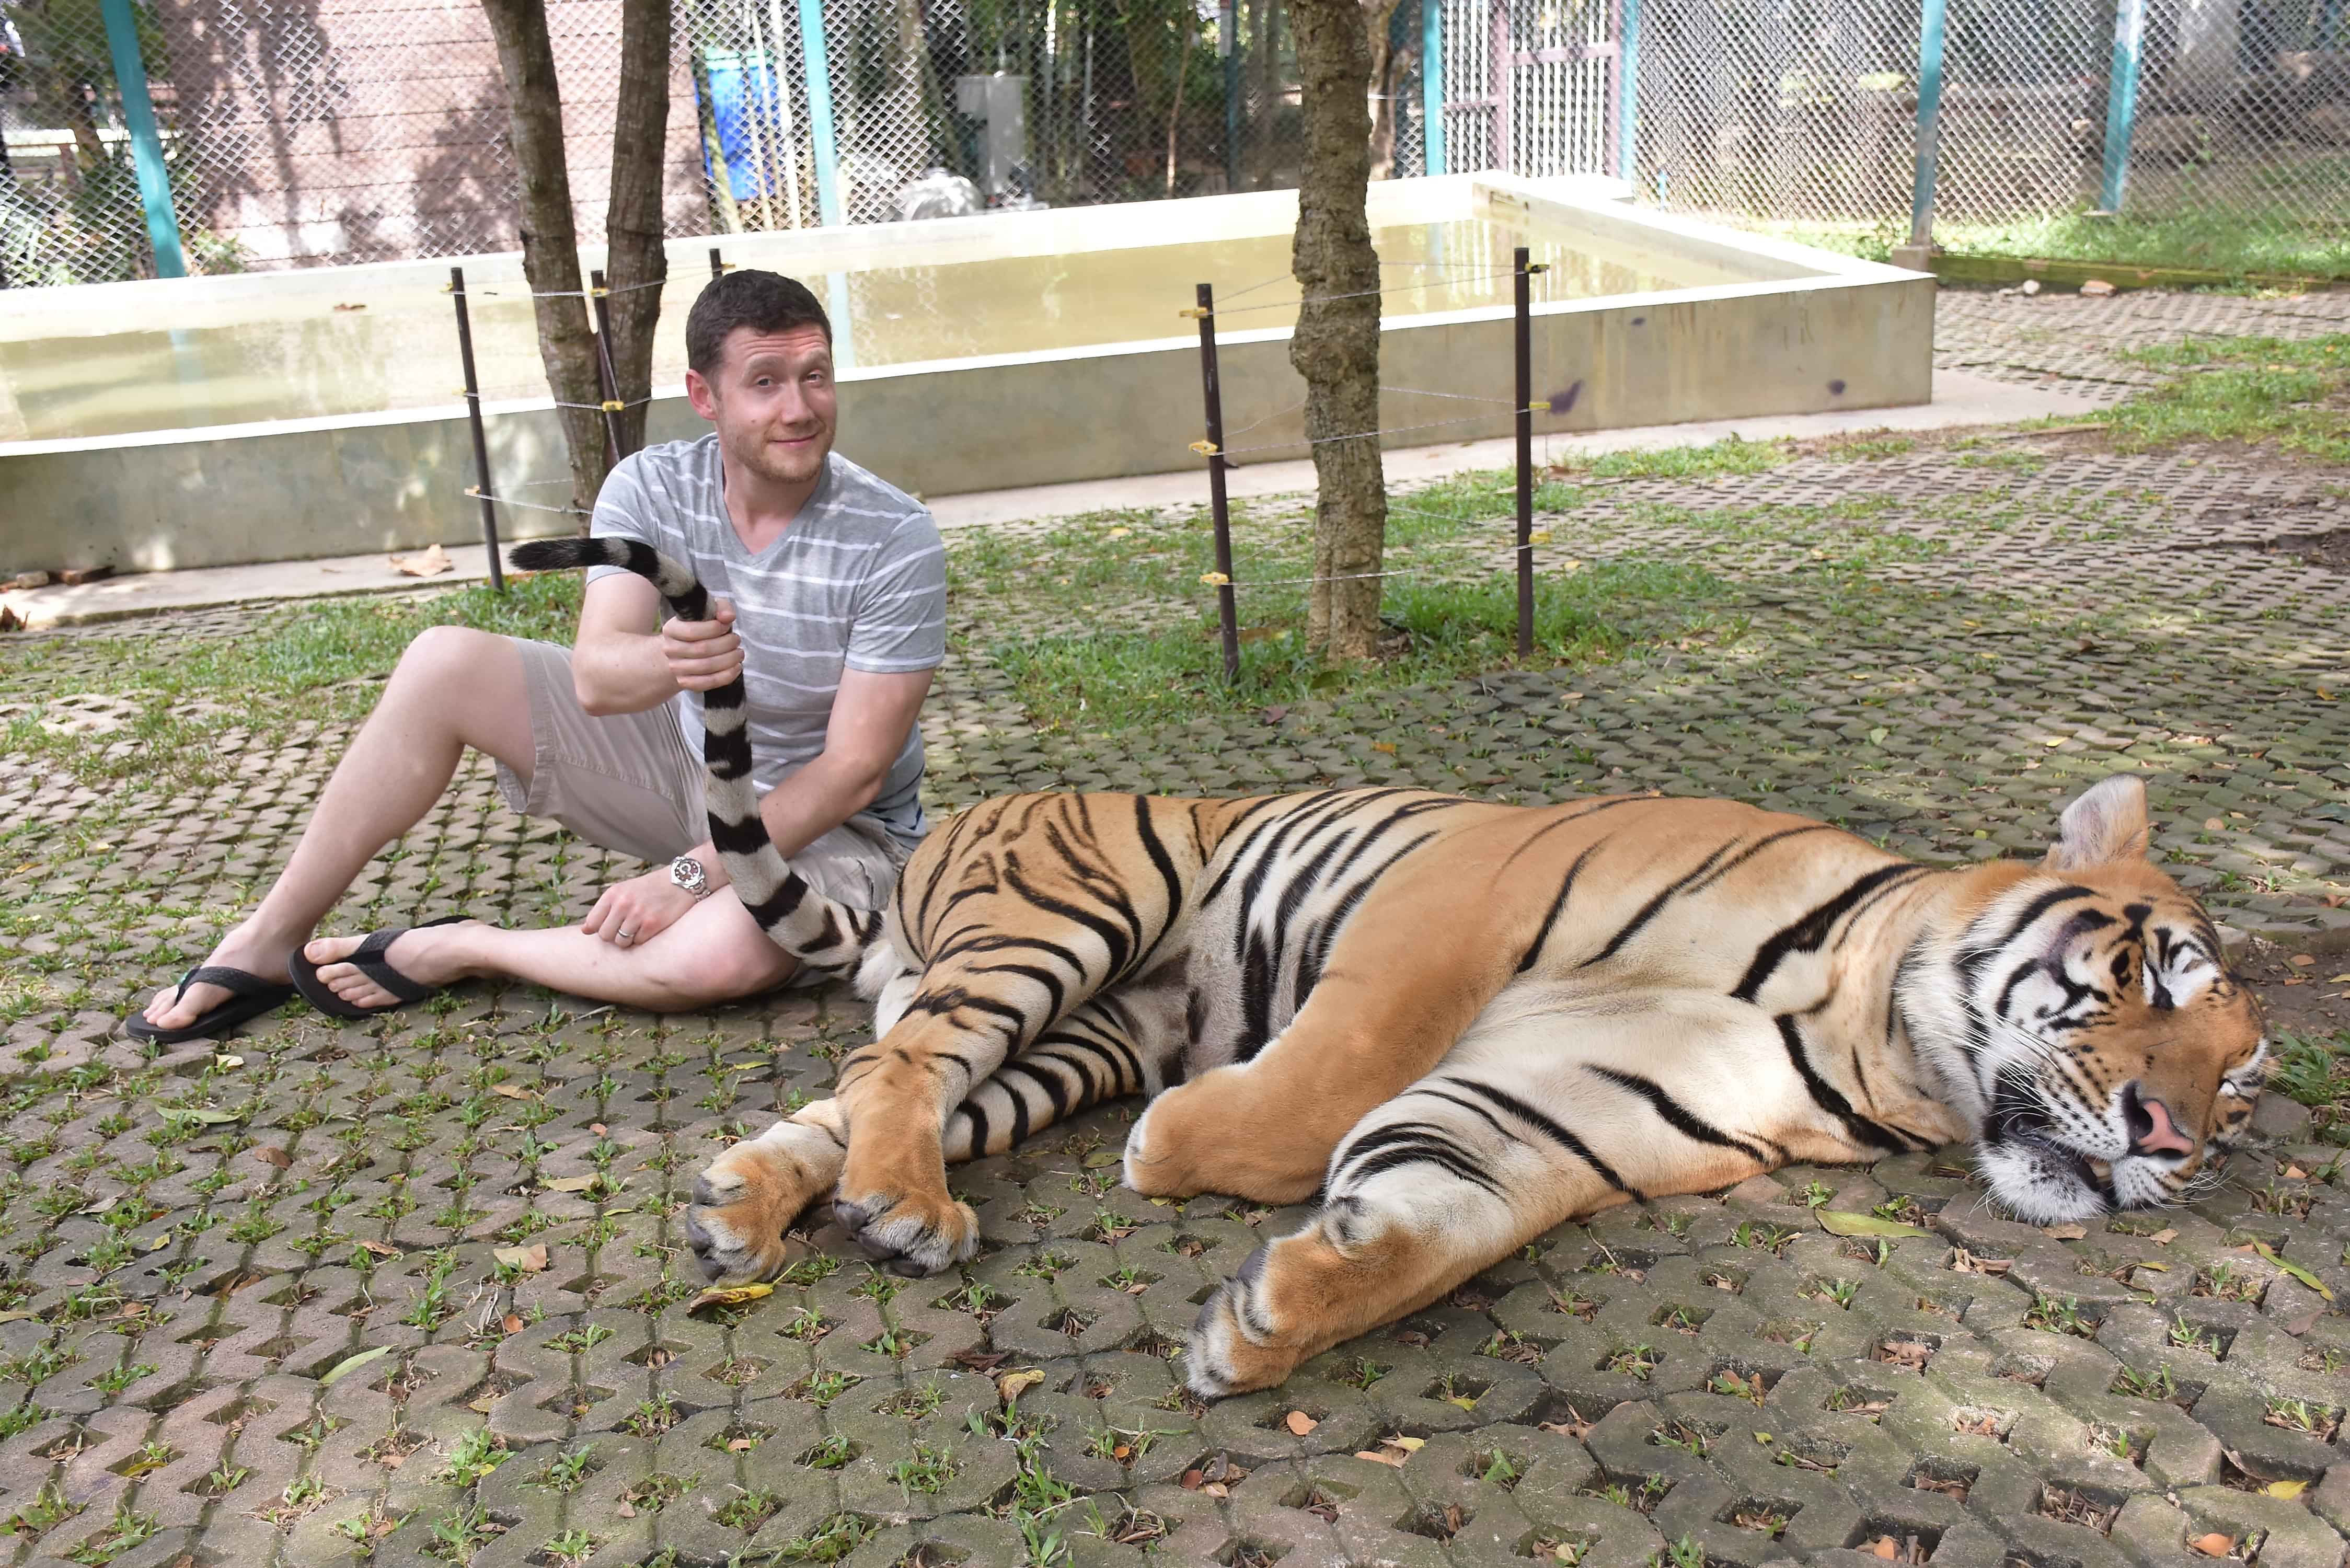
(1886,1548)
(1382,1457)
(2286,1490)
(2064,1232)
(429,562)
(2165,1237)
(1300,1423)
(511,1091)
(276,1156)
(381,1249)
(530,1259)
(2214,1544)
(728,1295)
(1012,1385)
(513,1324)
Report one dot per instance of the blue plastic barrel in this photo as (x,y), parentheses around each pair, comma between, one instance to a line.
(744,103)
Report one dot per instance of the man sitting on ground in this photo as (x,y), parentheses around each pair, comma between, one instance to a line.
(829,594)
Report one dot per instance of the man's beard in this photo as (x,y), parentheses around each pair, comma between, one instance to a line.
(769,463)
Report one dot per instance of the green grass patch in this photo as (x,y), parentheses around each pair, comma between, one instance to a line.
(2262,390)
(1107,680)
(323,661)
(2275,242)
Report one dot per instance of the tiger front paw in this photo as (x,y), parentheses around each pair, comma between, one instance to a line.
(912,1233)
(743,1204)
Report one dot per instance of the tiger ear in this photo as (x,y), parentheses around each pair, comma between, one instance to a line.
(2107,825)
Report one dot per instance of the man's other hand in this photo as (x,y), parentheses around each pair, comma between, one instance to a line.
(633,912)
(703,654)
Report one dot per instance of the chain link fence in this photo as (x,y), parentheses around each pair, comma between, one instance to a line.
(304,132)
(1802,114)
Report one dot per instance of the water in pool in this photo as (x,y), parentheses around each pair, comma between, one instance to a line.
(401,351)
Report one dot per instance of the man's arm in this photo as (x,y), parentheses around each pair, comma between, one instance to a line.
(625,660)
(871,716)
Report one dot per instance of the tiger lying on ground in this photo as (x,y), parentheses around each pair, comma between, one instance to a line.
(1464,1024)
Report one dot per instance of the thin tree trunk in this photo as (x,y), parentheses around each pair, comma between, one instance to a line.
(550,244)
(1336,345)
(633,223)
(1175,109)
(1387,68)
(1264,99)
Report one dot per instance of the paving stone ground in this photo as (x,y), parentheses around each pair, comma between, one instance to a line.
(415,1289)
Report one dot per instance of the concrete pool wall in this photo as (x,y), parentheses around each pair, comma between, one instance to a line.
(1786,329)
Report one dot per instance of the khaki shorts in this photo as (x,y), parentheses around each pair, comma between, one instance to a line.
(627,782)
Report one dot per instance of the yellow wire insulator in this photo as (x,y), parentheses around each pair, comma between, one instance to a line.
(1194,313)
(1206,448)
(612,405)
(1216,579)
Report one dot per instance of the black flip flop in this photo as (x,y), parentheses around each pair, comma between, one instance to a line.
(249,997)
(369,958)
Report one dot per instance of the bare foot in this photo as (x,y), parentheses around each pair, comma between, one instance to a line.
(429,955)
(248,947)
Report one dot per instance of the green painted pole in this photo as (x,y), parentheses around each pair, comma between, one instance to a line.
(1931,29)
(1431,82)
(146,143)
(2121,101)
(819,90)
(1627,89)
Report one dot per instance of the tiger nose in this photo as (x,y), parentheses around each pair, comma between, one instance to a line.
(2151,1128)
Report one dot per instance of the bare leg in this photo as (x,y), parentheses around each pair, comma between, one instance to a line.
(453,688)
(716,953)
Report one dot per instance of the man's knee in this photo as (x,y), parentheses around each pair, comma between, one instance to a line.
(444,657)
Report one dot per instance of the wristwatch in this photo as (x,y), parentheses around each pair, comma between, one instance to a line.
(686,872)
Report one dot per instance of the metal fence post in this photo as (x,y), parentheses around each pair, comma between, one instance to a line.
(146,142)
(1628,87)
(717,266)
(1932,26)
(598,295)
(2121,101)
(481,487)
(1522,281)
(1227,613)
(1431,84)
(819,92)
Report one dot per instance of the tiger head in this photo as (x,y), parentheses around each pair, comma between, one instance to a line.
(2086,1022)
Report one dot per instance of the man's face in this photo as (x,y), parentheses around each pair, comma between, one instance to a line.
(772,398)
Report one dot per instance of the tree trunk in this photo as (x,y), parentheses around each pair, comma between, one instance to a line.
(1388,68)
(1336,345)
(550,245)
(636,265)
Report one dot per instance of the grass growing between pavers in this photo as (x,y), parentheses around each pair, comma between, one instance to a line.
(2290,394)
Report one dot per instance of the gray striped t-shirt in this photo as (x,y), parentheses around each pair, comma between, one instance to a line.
(857,580)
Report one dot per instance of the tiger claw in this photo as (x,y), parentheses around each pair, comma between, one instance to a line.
(914,1235)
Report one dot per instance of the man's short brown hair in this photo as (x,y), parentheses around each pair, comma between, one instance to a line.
(762,301)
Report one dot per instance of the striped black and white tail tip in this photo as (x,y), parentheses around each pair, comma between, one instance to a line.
(820,932)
